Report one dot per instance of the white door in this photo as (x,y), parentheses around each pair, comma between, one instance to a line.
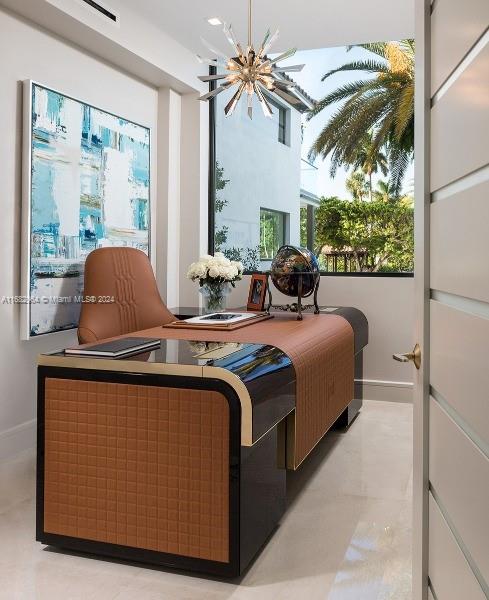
(451,404)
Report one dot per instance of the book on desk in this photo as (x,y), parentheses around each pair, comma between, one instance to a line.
(116,348)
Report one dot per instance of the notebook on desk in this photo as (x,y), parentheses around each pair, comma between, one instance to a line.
(116,348)
(225,321)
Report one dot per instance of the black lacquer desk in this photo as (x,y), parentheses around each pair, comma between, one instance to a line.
(175,457)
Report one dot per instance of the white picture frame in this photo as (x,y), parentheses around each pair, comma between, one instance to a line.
(31,304)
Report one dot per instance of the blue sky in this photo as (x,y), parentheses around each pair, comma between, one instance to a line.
(317,63)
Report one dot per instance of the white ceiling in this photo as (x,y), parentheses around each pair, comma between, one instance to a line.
(304,24)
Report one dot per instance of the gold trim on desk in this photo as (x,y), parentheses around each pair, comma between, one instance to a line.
(119,366)
(246,407)
(131,366)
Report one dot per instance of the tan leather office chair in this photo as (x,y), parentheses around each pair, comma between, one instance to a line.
(126,275)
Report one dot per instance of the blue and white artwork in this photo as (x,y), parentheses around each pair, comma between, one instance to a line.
(90,187)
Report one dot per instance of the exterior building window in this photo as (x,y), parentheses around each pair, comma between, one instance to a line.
(279,117)
(272,232)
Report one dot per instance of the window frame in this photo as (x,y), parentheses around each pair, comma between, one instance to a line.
(283,121)
(284,216)
(211,221)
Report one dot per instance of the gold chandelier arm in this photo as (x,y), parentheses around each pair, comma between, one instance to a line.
(231,105)
(268,43)
(217,91)
(283,56)
(229,33)
(207,61)
(213,49)
(206,78)
(267,109)
(289,68)
(250,104)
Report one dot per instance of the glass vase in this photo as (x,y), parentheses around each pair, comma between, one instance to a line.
(214,296)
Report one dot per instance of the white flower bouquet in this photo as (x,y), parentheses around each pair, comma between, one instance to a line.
(215,274)
(215,269)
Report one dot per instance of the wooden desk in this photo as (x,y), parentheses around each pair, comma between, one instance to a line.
(170,457)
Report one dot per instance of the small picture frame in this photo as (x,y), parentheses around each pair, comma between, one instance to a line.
(258,289)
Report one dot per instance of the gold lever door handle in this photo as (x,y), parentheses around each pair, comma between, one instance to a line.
(414,356)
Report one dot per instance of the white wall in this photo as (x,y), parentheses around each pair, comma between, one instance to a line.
(28,53)
(179,130)
(179,141)
(388,304)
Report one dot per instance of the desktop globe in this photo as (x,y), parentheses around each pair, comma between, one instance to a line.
(295,272)
(291,261)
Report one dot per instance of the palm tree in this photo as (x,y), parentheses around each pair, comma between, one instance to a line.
(382,104)
(369,162)
(357,186)
(384,191)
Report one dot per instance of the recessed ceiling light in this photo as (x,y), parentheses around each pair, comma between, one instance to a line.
(214,21)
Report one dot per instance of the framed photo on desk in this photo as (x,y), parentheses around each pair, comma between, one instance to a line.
(256,296)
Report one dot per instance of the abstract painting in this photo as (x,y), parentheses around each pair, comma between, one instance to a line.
(88,187)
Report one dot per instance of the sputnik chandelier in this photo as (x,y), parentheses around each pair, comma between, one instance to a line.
(252,72)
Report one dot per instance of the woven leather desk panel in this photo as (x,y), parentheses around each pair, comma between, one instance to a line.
(139,466)
(321,348)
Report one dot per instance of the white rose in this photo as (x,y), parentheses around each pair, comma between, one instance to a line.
(222,270)
(232,272)
(214,272)
(238,265)
(191,271)
(200,269)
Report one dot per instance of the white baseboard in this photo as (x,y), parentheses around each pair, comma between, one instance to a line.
(388,391)
(17,464)
(17,439)
(17,479)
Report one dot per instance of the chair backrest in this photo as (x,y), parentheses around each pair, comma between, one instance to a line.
(120,295)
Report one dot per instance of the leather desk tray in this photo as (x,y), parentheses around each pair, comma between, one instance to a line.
(213,327)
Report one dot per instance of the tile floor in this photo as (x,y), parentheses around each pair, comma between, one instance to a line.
(346,535)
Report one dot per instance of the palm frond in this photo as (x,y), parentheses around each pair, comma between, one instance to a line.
(373,114)
(398,164)
(368,66)
(404,111)
(339,94)
(378,48)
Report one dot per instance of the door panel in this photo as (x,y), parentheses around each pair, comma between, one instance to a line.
(459,364)
(451,400)
(459,475)
(445,557)
(456,26)
(460,125)
(459,236)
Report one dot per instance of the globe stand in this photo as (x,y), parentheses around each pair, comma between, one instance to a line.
(295,307)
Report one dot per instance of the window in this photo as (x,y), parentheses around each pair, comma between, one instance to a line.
(279,117)
(283,180)
(272,232)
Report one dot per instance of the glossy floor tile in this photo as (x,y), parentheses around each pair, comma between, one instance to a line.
(345,536)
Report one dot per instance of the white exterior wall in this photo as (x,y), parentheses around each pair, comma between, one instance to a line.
(262,172)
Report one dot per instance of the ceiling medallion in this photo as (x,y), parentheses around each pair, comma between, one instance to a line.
(252,72)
